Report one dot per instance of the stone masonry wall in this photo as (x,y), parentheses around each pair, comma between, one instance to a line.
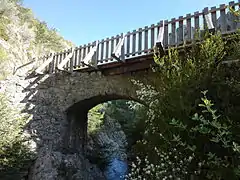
(56,134)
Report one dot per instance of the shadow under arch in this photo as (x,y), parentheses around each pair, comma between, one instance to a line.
(75,139)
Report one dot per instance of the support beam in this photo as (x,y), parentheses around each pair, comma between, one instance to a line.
(159,42)
(44,65)
(88,58)
(119,50)
(209,23)
(64,62)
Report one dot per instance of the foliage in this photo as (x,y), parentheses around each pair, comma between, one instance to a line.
(204,146)
(3,54)
(128,114)
(14,155)
(3,57)
(47,37)
(95,119)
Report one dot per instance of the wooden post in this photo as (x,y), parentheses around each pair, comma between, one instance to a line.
(102,50)
(134,42)
(233,19)
(196,25)
(119,50)
(139,41)
(152,35)
(107,50)
(44,65)
(146,39)
(173,34)
(208,21)
(180,31)
(128,44)
(160,38)
(223,21)
(214,16)
(65,61)
(165,39)
(112,46)
(88,57)
(189,28)
(79,57)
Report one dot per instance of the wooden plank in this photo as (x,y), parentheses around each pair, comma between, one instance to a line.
(83,54)
(88,48)
(107,50)
(223,21)
(96,55)
(208,24)
(72,59)
(102,50)
(88,58)
(214,16)
(65,60)
(196,24)
(117,39)
(134,43)
(205,12)
(165,39)
(112,46)
(160,38)
(56,62)
(173,34)
(75,61)
(146,38)
(52,64)
(119,50)
(233,19)
(152,35)
(180,31)
(44,65)
(46,69)
(80,55)
(189,27)
(139,40)
(128,44)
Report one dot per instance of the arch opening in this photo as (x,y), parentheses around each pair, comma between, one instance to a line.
(103,139)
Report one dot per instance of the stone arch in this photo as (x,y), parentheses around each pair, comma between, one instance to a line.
(78,121)
(51,99)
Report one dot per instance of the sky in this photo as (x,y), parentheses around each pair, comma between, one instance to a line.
(85,21)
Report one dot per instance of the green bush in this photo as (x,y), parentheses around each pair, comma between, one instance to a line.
(205,146)
(15,156)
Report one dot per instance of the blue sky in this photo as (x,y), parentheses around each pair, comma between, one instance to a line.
(84,21)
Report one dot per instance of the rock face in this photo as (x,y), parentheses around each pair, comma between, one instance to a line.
(58,106)
(110,141)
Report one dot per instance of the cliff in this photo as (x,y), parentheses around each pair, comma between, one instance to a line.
(24,37)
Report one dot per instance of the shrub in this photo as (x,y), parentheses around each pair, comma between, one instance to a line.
(14,155)
(204,146)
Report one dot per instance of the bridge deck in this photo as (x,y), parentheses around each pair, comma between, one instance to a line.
(136,47)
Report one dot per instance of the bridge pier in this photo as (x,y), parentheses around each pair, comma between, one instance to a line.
(76,135)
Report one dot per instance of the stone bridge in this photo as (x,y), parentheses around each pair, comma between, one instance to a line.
(68,84)
(59,104)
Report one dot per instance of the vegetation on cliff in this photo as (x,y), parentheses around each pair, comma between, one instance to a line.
(15,152)
(23,37)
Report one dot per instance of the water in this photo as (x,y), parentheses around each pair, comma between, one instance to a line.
(116,170)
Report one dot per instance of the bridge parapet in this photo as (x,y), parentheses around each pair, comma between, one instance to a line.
(124,47)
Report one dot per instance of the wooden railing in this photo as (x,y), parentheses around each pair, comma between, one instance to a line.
(140,42)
